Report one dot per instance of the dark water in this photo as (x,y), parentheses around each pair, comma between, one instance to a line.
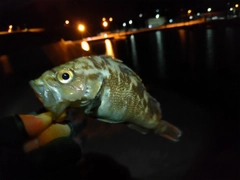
(193,73)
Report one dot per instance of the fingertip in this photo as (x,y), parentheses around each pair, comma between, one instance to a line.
(34,125)
(53,132)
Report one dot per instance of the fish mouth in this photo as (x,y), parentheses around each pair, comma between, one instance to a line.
(50,100)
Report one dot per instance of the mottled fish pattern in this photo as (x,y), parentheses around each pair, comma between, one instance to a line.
(104,88)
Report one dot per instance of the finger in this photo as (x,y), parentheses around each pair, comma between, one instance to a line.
(53,132)
(35,125)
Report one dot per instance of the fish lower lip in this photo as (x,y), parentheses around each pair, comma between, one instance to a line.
(42,93)
(50,102)
(38,89)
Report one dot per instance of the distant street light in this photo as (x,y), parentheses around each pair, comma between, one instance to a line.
(209,9)
(10,28)
(130,21)
(140,15)
(103,19)
(236,5)
(157,16)
(110,19)
(105,24)
(67,22)
(124,24)
(231,9)
(189,11)
(81,27)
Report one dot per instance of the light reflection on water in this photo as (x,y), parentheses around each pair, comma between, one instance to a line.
(109,48)
(134,53)
(184,52)
(160,54)
(210,50)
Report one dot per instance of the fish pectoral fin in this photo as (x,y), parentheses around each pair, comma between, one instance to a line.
(138,128)
(95,103)
(168,131)
(94,86)
(109,121)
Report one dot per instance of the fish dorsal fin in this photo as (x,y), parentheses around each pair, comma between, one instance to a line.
(110,57)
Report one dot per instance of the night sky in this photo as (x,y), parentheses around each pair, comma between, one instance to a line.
(37,13)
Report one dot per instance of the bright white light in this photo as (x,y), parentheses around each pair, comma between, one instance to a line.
(105,23)
(10,28)
(67,22)
(130,21)
(198,14)
(157,16)
(170,20)
(81,27)
(209,9)
(85,46)
(149,26)
(124,24)
(231,9)
(141,15)
(190,17)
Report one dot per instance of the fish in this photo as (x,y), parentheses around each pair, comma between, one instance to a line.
(104,88)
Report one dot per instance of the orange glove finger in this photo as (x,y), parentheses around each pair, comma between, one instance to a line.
(51,133)
(35,125)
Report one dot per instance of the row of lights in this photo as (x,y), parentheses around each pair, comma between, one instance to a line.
(210,9)
(105,23)
(130,22)
(81,27)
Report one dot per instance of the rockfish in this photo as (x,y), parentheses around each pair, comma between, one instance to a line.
(103,88)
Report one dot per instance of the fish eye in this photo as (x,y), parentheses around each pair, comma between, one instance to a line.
(65,75)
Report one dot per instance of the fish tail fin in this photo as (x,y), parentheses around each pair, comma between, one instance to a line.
(168,131)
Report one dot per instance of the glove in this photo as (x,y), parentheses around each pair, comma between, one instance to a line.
(32,147)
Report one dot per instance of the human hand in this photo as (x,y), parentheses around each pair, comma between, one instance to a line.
(41,130)
(34,146)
